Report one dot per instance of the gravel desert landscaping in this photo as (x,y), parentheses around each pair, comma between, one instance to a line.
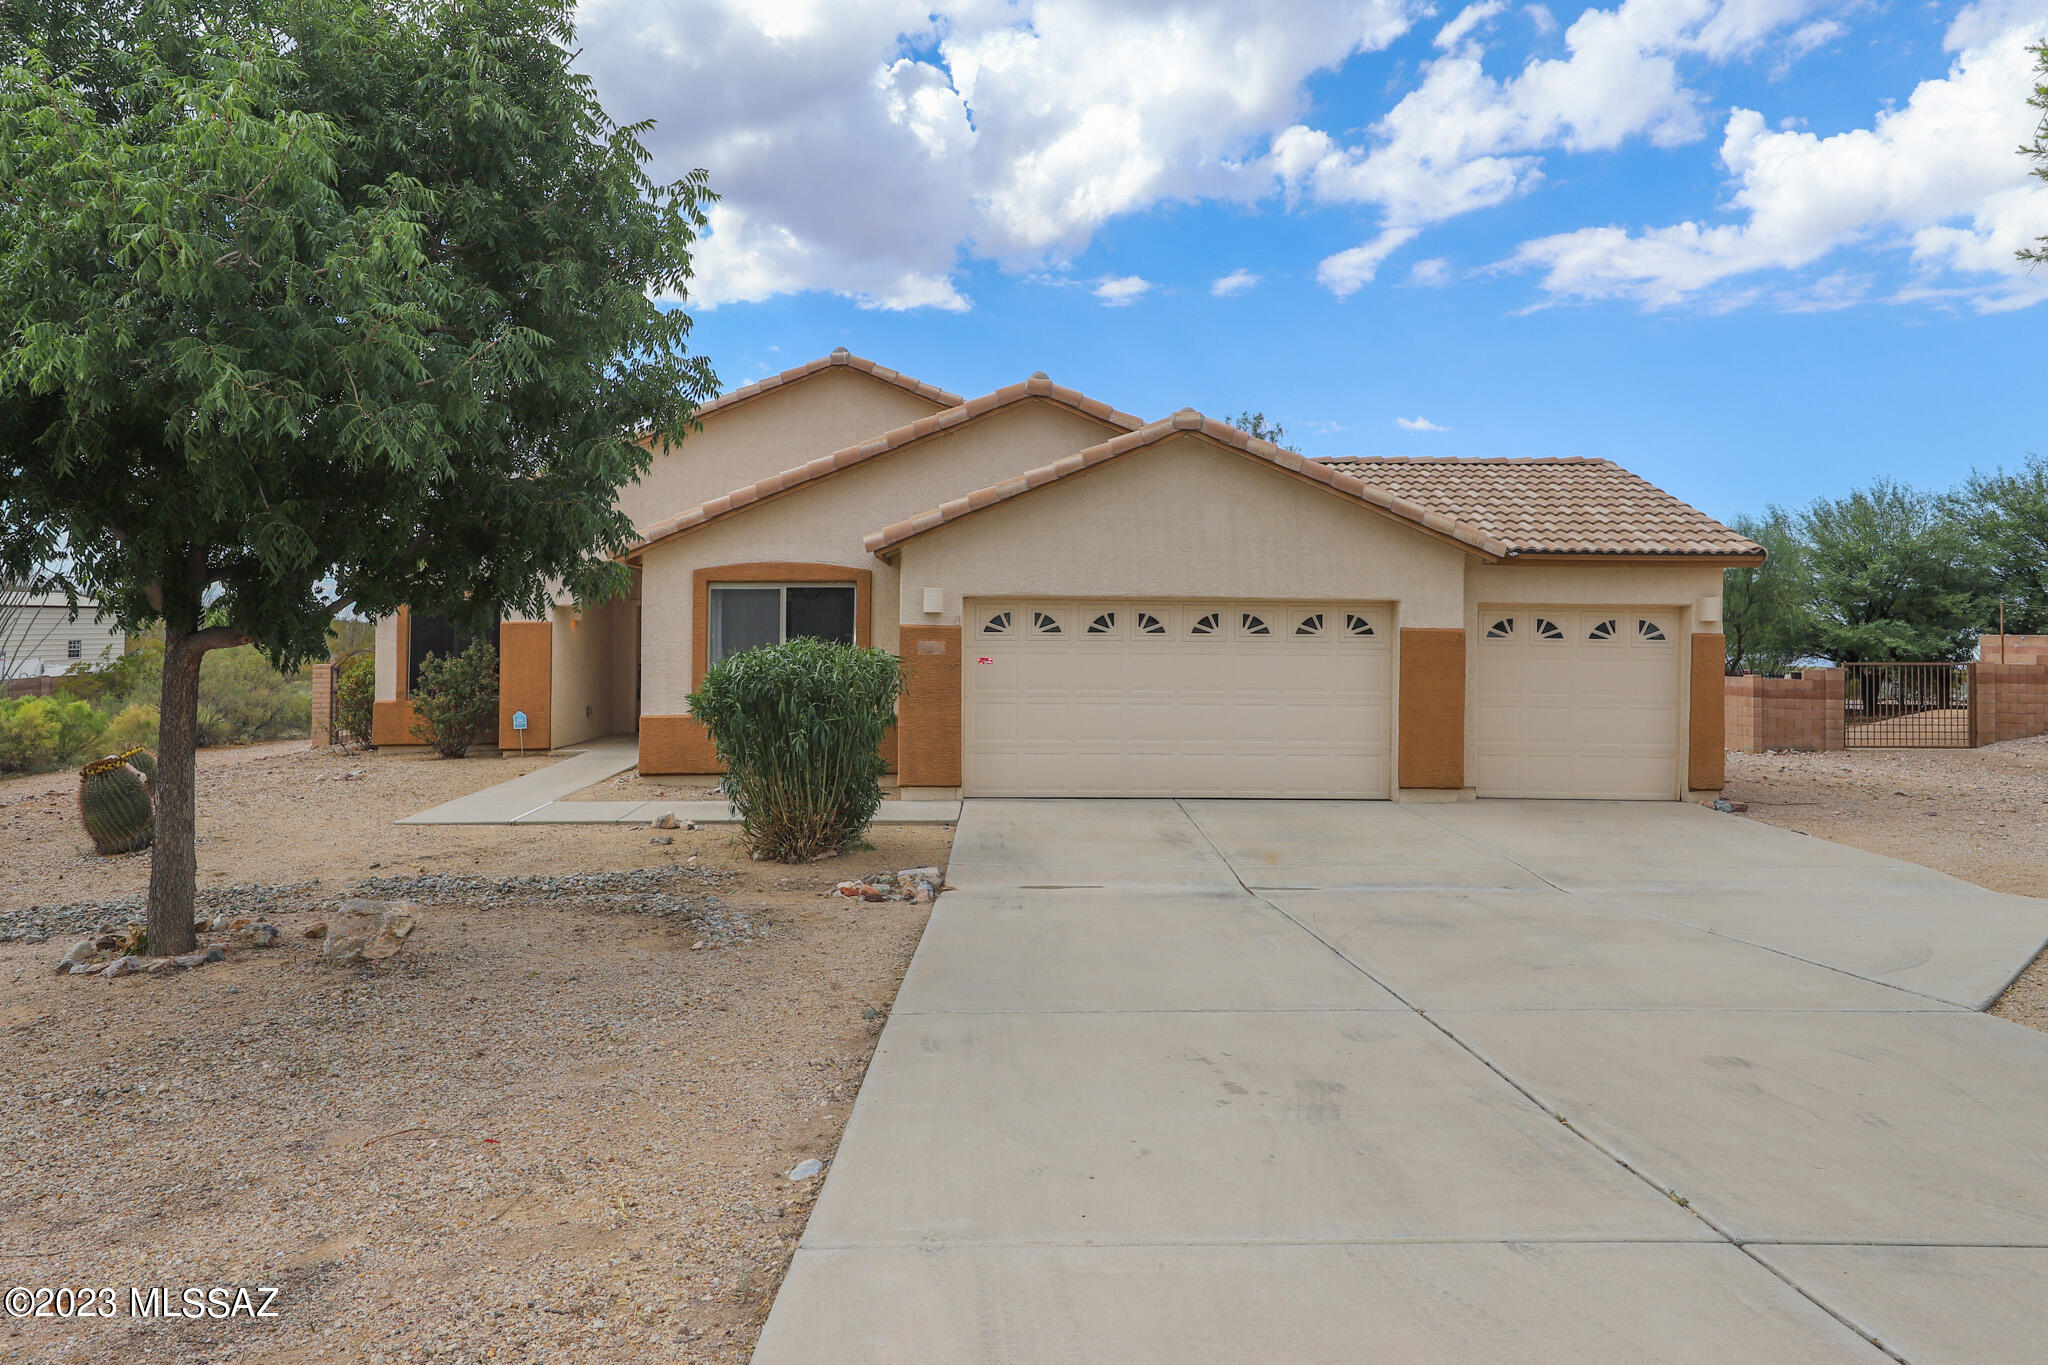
(556,1127)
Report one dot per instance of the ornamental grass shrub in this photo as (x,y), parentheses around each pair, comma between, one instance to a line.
(355,701)
(40,733)
(799,729)
(455,703)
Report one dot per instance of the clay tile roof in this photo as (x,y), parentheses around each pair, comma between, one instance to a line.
(1036,387)
(1431,521)
(1554,506)
(840,357)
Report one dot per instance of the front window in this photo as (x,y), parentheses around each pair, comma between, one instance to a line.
(439,636)
(748,615)
(74,648)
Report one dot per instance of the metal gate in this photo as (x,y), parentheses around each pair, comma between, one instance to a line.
(336,734)
(1906,706)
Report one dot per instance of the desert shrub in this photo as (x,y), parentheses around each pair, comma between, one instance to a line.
(112,683)
(31,734)
(135,725)
(210,729)
(250,700)
(799,728)
(455,703)
(355,701)
(79,726)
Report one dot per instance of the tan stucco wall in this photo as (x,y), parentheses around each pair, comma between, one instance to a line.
(388,661)
(1183,519)
(826,523)
(787,427)
(587,664)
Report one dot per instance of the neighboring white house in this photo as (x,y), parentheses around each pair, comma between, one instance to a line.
(39,635)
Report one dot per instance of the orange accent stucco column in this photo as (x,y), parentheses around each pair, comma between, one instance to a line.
(391,721)
(1432,712)
(928,716)
(526,682)
(1706,764)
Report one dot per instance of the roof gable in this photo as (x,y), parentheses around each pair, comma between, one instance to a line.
(839,359)
(1189,422)
(1038,387)
(1574,506)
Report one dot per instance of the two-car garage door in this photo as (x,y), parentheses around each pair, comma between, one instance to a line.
(1157,698)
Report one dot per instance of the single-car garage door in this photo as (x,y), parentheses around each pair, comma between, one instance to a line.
(1159,698)
(1570,702)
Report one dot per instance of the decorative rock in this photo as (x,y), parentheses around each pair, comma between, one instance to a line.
(163,966)
(661,839)
(106,941)
(125,966)
(919,874)
(201,958)
(256,936)
(317,929)
(804,1170)
(369,931)
(667,820)
(78,952)
(88,968)
(689,824)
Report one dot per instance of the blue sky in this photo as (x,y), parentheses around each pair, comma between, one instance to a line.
(1756,250)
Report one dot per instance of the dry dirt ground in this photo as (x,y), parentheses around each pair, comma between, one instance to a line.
(553,1128)
(1977,814)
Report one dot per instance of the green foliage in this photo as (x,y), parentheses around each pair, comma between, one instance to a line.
(252,700)
(314,304)
(1892,575)
(1256,424)
(40,733)
(1765,616)
(2037,150)
(31,738)
(108,683)
(799,728)
(355,700)
(114,806)
(455,703)
(135,725)
(2007,515)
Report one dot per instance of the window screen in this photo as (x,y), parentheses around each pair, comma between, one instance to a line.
(439,636)
(754,615)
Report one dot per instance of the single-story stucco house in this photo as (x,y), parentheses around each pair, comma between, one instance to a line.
(1087,604)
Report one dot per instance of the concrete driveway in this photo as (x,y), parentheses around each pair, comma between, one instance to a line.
(1194,1082)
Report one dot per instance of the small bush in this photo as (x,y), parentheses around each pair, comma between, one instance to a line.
(355,701)
(799,728)
(455,704)
(79,726)
(249,700)
(31,734)
(135,725)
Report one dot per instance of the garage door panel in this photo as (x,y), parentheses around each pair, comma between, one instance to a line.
(1202,707)
(1576,703)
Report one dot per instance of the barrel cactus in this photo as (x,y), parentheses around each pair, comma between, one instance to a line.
(144,762)
(114,804)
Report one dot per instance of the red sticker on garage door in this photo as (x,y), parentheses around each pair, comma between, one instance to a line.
(984,659)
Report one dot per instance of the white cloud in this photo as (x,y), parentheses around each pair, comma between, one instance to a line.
(1464,140)
(867,146)
(1432,272)
(1118,291)
(1345,273)
(1469,18)
(1541,18)
(1937,178)
(1417,424)
(1236,282)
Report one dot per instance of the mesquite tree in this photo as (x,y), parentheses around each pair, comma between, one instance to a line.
(316,304)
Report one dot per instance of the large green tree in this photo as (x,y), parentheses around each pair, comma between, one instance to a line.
(308,305)
(1766,617)
(1893,575)
(2006,513)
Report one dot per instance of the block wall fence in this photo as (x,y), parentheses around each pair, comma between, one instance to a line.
(2008,700)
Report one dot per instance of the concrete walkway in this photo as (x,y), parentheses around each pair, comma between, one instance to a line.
(1188,1083)
(537,798)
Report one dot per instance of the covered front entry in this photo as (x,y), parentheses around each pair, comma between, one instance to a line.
(1167,698)
(1577,702)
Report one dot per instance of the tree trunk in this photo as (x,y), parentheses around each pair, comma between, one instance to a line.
(174,862)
